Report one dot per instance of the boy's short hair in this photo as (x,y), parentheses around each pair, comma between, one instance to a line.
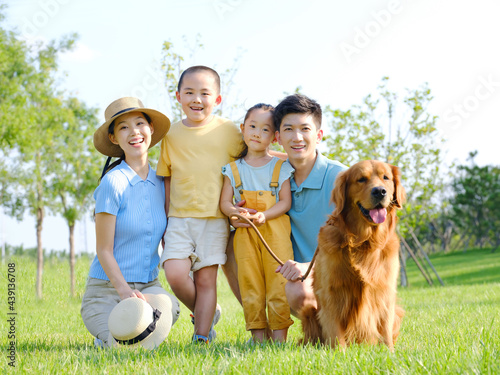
(199,68)
(297,103)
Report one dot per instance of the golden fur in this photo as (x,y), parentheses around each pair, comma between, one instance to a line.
(356,268)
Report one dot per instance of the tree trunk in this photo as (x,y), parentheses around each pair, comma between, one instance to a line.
(402,269)
(39,223)
(460,240)
(72,258)
(39,268)
(447,236)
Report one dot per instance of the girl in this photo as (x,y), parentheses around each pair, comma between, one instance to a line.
(262,181)
(129,216)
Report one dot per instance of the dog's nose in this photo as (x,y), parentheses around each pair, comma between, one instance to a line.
(379,192)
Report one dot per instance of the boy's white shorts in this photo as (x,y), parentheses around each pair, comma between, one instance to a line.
(203,240)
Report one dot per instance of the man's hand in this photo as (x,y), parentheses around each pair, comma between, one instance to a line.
(292,270)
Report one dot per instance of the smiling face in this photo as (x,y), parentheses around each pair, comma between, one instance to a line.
(299,136)
(132,133)
(198,95)
(258,130)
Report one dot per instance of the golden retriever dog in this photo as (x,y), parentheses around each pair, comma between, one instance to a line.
(357,264)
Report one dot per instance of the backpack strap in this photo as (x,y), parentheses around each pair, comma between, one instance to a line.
(236,175)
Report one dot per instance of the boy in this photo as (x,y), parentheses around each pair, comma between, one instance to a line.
(192,155)
(298,120)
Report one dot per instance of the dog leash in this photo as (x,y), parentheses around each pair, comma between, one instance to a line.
(241,217)
(260,236)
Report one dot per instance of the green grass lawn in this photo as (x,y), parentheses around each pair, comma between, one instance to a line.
(451,329)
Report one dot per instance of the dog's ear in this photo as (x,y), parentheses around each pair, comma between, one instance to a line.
(399,192)
(339,192)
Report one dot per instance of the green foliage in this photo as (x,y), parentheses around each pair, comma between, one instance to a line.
(451,329)
(14,71)
(172,65)
(475,205)
(76,170)
(399,131)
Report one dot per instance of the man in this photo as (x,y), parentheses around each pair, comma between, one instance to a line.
(298,120)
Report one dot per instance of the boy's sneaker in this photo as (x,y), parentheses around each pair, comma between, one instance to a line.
(211,334)
(200,339)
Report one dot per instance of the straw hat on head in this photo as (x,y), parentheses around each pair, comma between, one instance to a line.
(103,144)
(134,322)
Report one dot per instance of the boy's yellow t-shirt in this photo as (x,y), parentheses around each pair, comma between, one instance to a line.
(193,157)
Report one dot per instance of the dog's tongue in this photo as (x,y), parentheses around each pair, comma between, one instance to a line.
(378,215)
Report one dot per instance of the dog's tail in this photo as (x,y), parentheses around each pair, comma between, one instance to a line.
(310,326)
(398,317)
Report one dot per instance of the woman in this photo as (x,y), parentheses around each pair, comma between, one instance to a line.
(129,215)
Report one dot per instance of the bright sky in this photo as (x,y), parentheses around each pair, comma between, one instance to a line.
(336,51)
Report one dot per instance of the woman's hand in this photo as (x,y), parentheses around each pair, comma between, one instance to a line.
(129,293)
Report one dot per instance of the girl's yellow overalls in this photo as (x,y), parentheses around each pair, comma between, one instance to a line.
(259,284)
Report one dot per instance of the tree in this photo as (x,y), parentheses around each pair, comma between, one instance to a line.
(476,202)
(35,145)
(76,171)
(400,132)
(14,70)
(32,114)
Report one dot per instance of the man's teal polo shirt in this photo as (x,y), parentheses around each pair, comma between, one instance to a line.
(311,206)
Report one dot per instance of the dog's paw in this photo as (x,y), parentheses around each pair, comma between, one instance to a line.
(310,325)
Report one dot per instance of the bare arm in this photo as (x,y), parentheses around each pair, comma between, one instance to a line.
(228,209)
(166,181)
(226,200)
(105,234)
(238,223)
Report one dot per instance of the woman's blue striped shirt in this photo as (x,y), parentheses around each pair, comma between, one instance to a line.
(139,207)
